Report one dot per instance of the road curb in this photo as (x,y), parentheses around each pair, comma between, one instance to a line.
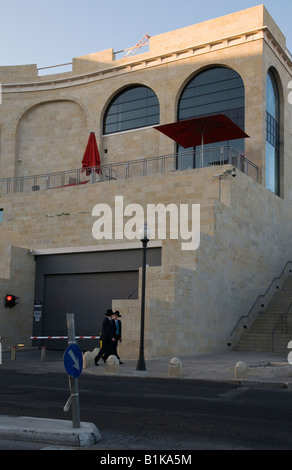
(48,431)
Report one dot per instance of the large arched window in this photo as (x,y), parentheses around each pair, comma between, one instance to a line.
(217,90)
(272,135)
(132,108)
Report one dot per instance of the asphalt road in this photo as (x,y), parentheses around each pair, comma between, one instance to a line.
(156,414)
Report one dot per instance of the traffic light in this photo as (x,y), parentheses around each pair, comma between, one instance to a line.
(10,301)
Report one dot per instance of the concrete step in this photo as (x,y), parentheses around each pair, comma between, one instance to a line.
(260,336)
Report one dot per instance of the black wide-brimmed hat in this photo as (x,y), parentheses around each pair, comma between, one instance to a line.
(109,312)
(117,313)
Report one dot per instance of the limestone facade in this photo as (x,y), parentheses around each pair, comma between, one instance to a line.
(194,299)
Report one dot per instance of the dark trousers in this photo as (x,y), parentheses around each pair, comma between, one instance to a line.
(116,349)
(108,348)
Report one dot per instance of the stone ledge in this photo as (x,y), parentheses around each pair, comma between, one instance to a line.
(49,431)
(267,369)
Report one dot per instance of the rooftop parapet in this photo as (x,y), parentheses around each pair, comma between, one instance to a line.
(210,31)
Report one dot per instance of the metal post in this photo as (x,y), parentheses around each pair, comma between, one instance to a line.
(13,353)
(43,353)
(141,361)
(74,381)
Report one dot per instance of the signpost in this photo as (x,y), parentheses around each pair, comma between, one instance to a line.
(73,362)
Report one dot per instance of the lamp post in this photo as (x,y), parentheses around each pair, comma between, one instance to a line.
(144,235)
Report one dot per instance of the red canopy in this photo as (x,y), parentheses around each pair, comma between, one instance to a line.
(202,130)
(91,156)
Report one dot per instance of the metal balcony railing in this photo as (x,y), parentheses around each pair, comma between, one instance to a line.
(133,168)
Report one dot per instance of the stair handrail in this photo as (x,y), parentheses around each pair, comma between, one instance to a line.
(258,298)
(281,318)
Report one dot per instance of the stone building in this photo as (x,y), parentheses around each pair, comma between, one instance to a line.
(237,65)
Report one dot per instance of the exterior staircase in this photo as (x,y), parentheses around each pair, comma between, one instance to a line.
(272,329)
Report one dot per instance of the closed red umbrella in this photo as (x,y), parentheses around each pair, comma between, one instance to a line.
(91,158)
(202,130)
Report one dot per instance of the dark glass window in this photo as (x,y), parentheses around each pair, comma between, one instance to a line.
(272,135)
(214,91)
(132,108)
(217,90)
(272,131)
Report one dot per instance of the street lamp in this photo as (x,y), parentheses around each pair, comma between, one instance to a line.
(145,234)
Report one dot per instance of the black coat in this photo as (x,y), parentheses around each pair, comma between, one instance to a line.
(108,331)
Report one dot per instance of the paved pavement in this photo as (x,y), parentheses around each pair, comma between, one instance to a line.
(210,367)
(203,367)
(264,367)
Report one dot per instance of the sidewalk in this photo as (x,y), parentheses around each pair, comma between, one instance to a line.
(209,367)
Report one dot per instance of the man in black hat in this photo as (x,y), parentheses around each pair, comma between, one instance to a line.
(118,327)
(108,338)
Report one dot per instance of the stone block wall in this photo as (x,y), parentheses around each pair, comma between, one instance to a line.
(195,298)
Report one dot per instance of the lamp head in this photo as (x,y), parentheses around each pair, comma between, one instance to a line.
(145,232)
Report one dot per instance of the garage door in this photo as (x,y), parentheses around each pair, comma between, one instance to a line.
(88,296)
(84,284)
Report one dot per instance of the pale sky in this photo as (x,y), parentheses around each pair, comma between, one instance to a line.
(51,32)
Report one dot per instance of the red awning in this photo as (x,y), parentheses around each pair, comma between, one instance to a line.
(202,130)
(91,158)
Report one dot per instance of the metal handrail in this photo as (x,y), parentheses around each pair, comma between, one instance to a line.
(261,296)
(281,319)
(60,179)
(132,168)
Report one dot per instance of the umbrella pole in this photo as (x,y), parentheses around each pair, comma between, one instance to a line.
(202,150)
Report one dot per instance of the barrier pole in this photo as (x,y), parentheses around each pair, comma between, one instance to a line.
(43,353)
(13,353)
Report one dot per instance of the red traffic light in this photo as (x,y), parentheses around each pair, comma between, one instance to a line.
(10,300)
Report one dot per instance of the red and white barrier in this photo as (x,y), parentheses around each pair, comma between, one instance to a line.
(64,337)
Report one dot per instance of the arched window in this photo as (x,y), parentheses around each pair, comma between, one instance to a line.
(132,108)
(272,135)
(217,90)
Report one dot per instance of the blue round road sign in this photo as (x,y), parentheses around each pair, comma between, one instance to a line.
(73,360)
